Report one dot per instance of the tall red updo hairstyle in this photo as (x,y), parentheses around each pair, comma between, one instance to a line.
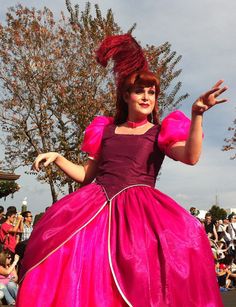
(130,70)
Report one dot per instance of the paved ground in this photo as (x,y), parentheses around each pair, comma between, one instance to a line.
(229,298)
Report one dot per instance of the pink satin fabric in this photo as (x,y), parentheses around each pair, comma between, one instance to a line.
(61,221)
(174,128)
(93,135)
(166,259)
(160,256)
(140,249)
(77,274)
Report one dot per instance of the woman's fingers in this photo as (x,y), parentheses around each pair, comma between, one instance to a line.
(217,89)
(221,101)
(47,158)
(211,91)
(48,161)
(209,98)
(16,257)
(211,95)
(218,83)
(222,90)
(37,161)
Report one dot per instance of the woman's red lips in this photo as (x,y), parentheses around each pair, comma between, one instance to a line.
(144,105)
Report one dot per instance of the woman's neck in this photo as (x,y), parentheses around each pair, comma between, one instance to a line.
(137,123)
(136,117)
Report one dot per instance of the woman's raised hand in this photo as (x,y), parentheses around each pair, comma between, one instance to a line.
(46,158)
(209,99)
(16,258)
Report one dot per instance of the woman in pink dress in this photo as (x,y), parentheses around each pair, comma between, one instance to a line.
(118,241)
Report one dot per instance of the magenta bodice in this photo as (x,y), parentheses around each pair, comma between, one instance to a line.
(128,160)
(118,241)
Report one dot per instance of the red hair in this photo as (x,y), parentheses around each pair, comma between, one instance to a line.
(130,70)
(136,79)
(126,54)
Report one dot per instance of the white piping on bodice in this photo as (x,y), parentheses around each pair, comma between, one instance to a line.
(126,188)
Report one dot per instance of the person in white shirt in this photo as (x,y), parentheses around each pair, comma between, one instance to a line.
(27,225)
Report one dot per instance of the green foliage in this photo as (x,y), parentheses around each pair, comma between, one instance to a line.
(7,188)
(218,213)
(23,208)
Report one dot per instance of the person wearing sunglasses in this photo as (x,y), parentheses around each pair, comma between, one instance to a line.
(27,225)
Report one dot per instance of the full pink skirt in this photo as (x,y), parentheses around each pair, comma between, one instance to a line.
(140,249)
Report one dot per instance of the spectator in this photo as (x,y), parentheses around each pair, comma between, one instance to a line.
(27,225)
(9,231)
(12,209)
(232,275)
(223,276)
(232,226)
(194,211)
(233,266)
(221,249)
(1,292)
(37,218)
(232,234)
(223,235)
(20,250)
(8,277)
(213,248)
(39,215)
(210,227)
(225,224)
(2,216)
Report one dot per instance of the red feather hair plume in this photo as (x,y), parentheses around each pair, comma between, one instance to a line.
(126,53)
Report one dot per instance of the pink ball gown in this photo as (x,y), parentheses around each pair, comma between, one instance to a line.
(119,241)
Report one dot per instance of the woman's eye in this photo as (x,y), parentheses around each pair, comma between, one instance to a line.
(139,91)
(152,92)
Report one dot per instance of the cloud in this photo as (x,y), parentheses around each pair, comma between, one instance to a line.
(182,196)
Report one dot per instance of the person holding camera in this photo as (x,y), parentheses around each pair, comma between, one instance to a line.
(10,229)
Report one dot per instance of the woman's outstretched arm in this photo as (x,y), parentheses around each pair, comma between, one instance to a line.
(80,173)
(189,151)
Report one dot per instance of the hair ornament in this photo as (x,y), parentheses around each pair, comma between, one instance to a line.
(126,53)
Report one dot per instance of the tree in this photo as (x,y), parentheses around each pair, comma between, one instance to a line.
(160,58)
(230,143)
(218,213)
(7,188)
(52,87)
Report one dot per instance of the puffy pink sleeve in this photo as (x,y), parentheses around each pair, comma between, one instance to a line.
(93,136)
(174,128)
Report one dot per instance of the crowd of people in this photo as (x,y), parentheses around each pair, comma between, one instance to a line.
(222,238)
(15,230)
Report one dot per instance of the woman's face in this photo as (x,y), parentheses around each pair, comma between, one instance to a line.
(141,101)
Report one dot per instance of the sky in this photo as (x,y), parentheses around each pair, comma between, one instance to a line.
(203,32)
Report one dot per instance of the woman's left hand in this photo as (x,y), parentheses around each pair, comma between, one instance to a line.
(208,99)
